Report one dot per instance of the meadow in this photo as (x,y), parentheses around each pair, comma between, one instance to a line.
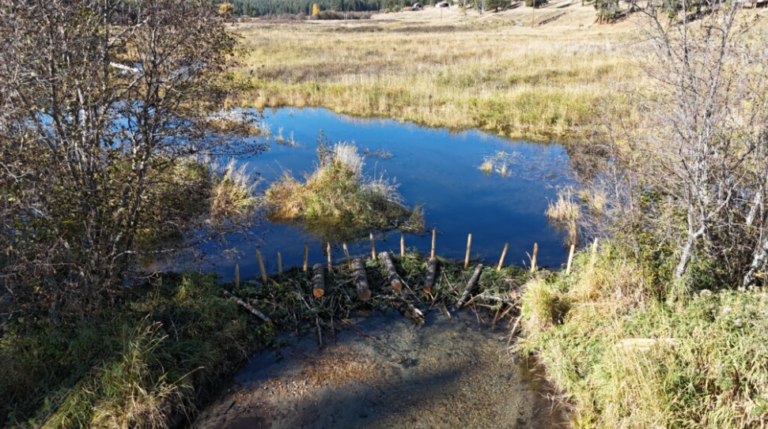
(457,70)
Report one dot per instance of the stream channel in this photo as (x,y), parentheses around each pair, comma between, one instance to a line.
(380,371)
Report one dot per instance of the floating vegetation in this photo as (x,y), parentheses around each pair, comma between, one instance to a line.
(383,154)
(337,202)
(499,163)
(282,141)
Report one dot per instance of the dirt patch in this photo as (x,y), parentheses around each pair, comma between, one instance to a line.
(384,373)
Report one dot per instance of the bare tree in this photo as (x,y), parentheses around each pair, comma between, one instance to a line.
(102,151)
(700,147)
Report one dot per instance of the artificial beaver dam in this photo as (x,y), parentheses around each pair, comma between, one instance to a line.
(395,341)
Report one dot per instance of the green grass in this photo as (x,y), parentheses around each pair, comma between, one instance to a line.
(142,363)
(627,359)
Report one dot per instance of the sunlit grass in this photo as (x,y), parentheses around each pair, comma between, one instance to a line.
(507,80)
(627,359)
(338,200)
(565,213)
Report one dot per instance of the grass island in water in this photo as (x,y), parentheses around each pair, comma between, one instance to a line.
(338,202)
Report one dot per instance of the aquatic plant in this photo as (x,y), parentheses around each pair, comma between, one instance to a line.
(232,195)
(498,162)
(565,213)
(337,201)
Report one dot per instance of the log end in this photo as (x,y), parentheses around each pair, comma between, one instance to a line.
(364,295)
(318,293)
(397,286)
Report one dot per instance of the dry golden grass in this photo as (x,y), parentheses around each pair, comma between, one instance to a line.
(443,68)
(472,71)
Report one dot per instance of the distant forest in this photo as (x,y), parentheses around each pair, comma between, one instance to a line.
(278,7)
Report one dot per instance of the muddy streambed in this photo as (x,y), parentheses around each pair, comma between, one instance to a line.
(382,372)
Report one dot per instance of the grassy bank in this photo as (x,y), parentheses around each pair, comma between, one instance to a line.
(146,362)
(625,358)
(457,71)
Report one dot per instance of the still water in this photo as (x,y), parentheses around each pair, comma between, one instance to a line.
(434,167)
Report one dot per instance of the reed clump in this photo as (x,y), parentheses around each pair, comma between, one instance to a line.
(565,213)
(337,198)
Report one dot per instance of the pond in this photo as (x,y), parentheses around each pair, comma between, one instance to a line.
(436,168)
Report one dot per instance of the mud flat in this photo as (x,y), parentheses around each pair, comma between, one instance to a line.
(382,372)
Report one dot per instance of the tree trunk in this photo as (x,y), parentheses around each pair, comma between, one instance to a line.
(394,278)
(431,274)
(318,280)
(471,286)
(758,263)
(361,281)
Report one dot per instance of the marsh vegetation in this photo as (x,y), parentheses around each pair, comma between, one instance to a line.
(337,202)
(460,73)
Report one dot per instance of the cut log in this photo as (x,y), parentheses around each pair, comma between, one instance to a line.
(361,281)
(318,280)
(248,307)
(471,286)
(408,311)
(429,282)
(394,278)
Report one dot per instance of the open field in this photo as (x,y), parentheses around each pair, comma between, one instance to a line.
(492,72)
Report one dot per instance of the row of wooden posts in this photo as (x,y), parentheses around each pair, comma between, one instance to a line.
(361,281)
(356,263)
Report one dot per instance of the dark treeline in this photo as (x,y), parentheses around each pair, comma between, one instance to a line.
(278,7)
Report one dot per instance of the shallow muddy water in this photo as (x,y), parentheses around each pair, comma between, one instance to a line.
(433,167)
(382,372)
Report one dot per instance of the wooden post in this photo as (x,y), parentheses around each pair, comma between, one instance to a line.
(533,13)
(373,248)
(318,280)
(503,255)
(594,252)
(434,233)
(346,253)
(261,268)
(471,286)
(394,278)
(469,245)
(306,252)
(402,245)
(570,259)
(237,275)
(431,274)
(361,282)
(533,258)
(279,264)
(330,263)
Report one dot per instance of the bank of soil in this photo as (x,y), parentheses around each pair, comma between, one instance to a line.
(382,372)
